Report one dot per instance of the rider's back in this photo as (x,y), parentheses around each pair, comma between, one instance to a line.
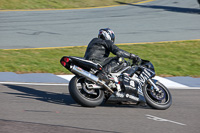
(98,50)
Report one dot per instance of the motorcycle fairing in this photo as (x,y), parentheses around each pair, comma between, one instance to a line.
(121,96)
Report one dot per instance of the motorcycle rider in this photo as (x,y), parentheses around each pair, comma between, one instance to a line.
(99,49)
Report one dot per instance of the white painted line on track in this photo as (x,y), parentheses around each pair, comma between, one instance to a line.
(184,88)
(169,83)
(151,117)
(49,84)
(164,81)
(66,77)
(21,83)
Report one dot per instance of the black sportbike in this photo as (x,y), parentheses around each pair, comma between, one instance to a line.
(130,82)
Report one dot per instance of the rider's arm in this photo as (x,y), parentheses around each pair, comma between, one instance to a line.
(119,52)
(116,50)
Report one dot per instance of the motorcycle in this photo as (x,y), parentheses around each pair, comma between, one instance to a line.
(131,82)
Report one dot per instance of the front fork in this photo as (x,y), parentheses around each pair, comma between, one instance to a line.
(152,82)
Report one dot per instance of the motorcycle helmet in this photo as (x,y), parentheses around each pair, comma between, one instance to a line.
(106,34)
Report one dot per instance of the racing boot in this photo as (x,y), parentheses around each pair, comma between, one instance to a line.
(104,77)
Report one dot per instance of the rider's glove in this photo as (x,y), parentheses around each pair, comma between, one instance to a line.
(135,58)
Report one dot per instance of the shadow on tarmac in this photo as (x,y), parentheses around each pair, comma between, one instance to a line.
(166,8)
(45,96)
(62,99)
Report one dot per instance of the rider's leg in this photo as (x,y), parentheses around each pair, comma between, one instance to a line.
(108,65)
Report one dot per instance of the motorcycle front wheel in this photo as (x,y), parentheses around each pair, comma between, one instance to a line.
(158,100)
(84,96)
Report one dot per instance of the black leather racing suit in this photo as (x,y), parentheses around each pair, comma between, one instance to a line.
(98,51)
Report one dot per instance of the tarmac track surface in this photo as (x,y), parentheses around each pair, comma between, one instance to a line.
(48,109)
(160,20)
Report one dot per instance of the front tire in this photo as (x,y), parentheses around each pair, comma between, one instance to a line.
(81,95)
(157,100)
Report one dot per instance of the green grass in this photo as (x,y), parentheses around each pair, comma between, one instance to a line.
(58,4)
(170,58)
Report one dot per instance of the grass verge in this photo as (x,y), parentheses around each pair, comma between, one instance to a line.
(59,4)
(180,58)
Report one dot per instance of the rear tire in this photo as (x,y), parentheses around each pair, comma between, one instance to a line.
(163,104)
(81,96)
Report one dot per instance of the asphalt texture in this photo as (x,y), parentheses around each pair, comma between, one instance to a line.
(29,108)
(160,20)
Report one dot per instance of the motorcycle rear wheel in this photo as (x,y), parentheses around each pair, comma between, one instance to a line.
(79,92)
(152,99)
